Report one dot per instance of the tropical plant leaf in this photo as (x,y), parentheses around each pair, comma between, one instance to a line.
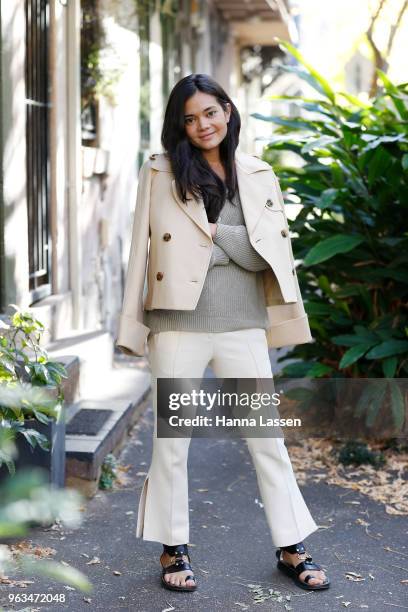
(319,82)
(353,354)
(329,247)
(388,348)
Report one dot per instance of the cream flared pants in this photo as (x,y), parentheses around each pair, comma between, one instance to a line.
(163,513)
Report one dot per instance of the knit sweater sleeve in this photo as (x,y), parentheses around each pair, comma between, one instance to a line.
(234,240)
(218,257)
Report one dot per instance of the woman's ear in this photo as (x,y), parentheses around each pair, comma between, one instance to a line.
(228,111)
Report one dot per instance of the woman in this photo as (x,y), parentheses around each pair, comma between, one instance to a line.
(211,229)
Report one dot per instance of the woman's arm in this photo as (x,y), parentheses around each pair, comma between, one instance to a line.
(234,240)
(218,257)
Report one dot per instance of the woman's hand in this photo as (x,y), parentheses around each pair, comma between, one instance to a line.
(213,229)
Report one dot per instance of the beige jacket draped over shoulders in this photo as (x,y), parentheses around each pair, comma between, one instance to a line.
(171,248)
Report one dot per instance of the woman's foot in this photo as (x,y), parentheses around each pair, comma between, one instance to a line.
(294,559)
(172,558)
(296,562)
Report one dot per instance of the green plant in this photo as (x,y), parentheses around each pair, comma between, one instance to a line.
(26,498)
(108,472)
(351,179)
(30,383)
(357,453)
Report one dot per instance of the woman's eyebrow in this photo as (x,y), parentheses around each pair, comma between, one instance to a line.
(205,110)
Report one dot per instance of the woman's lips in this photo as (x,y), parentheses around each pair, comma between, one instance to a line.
(207,136)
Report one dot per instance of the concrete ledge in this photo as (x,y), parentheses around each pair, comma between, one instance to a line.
(85,454)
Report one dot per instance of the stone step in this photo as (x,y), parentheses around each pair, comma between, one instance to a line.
(124,393)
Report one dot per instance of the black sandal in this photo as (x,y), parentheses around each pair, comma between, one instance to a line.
(306,564)
(179,566)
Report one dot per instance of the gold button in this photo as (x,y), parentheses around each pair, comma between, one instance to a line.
(166,236)
(159,275)
(269,203)
(284,233)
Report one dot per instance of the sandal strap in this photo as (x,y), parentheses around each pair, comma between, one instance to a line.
(179,549)
(306,565)
(178,566)
(308,577)
(294,548)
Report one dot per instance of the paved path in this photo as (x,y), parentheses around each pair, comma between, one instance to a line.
(230,543)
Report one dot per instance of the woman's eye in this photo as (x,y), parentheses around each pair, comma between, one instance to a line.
(212,112)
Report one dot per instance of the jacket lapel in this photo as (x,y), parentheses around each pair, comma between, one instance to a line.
(195,209)
(254,193)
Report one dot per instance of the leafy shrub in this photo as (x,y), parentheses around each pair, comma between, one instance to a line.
(358,453)
(30,383)
(352,237)
(28,498)
(351,233)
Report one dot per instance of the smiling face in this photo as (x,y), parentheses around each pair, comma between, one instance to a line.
(205,122)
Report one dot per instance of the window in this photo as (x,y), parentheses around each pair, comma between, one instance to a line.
(37,146)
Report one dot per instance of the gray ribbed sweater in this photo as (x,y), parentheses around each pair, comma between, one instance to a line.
(232,296)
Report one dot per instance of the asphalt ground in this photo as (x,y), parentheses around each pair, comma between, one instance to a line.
(232,554)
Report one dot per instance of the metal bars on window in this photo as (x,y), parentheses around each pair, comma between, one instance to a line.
(37,146)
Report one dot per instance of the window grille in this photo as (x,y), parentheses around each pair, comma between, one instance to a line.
(37,146)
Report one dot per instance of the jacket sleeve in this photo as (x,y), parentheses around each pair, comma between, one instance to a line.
(289,322)
(132,333)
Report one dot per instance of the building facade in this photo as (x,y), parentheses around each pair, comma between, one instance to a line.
(83,91)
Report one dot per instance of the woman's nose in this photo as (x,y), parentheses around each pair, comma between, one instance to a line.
(203,124)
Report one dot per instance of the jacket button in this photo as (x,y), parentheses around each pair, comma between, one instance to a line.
(166,236)
(159,275)
(269,203)
(284,233)
(293,271)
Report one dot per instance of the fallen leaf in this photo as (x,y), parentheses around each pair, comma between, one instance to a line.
(360,521)
(353,574)
(93,561)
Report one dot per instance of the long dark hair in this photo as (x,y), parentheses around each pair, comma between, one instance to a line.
(190,168)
